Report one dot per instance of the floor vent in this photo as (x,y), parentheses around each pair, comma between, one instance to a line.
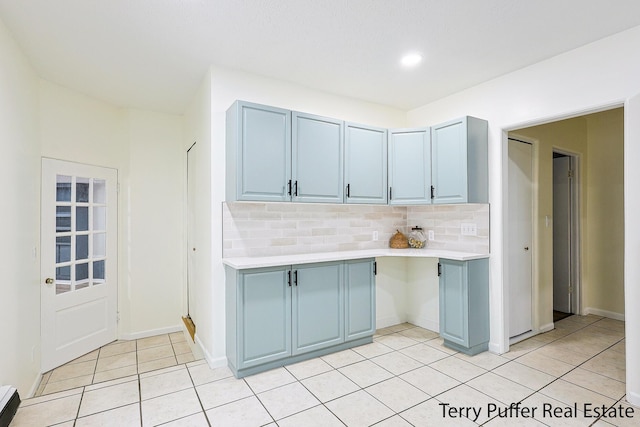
(9,402)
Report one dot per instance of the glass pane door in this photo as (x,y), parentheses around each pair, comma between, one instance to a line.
(81,238)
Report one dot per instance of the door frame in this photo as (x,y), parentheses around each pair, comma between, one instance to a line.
(576,228)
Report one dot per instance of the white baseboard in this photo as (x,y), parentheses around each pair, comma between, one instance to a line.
(634,399)
(213,362)
(495,348)
(522,337)
(34,387)
(425,323)
(384,322)
(546,328)
(152,332)
(604,313)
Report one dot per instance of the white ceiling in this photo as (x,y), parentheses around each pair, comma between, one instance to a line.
(153,54)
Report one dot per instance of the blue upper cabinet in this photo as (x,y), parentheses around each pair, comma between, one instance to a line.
(317,161)
(365,171)
(460,161)
(258,153)
(277,155)
(409,166)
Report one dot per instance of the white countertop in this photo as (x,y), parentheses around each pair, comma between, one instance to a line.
(240,263)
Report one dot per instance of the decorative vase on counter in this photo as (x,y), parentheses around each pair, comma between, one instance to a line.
(398,241)
(417,239)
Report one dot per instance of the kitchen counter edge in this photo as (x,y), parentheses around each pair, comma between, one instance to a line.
(243,263)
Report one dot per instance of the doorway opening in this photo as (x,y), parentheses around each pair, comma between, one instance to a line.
(578,228)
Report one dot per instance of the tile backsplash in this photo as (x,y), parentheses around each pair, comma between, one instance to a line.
(270,229)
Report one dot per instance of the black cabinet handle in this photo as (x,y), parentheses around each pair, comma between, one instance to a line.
(439,269)
(433,192)
(295,189)
(289,184)
(348,190)
(375,268)
(295,277)
(289,273)
(390,193)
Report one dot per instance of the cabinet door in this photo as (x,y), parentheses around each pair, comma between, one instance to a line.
(360,299)
(318,306)
(454,305)
(261,138)
(263,316)
(317,159)
(365,168)
(449,151)
(409,166)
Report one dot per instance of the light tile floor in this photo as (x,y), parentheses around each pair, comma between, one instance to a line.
(399,380)
(117,360)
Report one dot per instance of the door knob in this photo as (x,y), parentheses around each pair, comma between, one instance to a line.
(526,248)
(49,281)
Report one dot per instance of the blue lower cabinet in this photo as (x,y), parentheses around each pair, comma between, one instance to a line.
(464,304)
(259,306)
(286,314)
(318,306)
(360,298)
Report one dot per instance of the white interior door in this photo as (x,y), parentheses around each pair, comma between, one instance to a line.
(79,260)
(192,157)
(562,286)
(520,237)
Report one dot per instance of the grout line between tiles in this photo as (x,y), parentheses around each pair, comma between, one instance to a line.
(434,397)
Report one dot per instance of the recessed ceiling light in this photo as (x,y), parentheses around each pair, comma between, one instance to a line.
(411,60)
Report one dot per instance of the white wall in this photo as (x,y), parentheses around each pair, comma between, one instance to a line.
(423,283)
(20,219)
(154,201)
(605,207)
(391,291)
(146,149)
(596,76)
(198,129)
